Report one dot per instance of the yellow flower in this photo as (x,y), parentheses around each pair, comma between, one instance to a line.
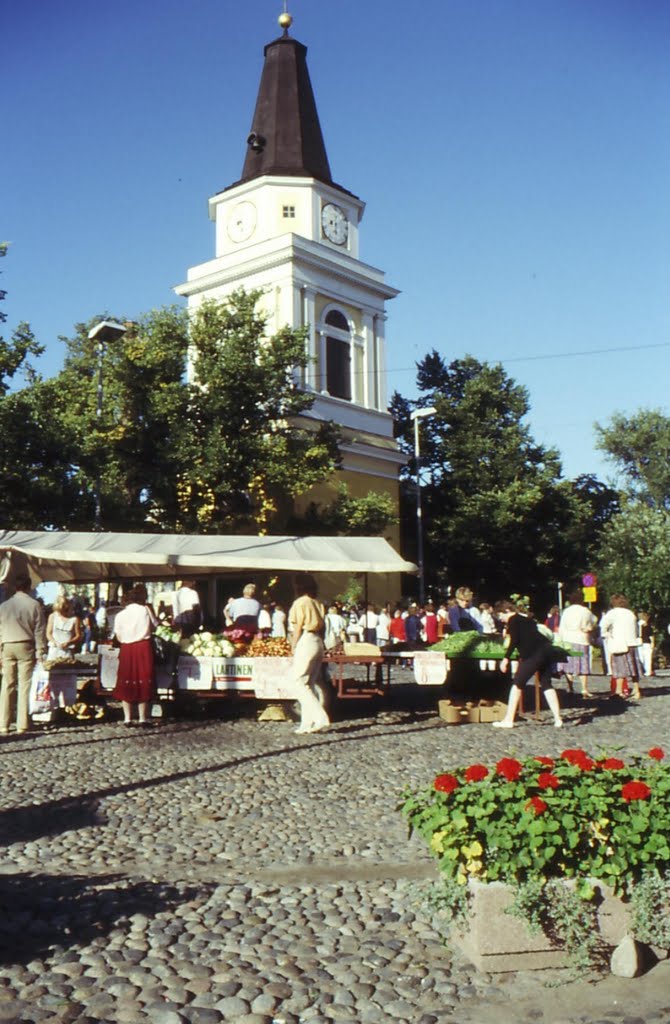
(436,843)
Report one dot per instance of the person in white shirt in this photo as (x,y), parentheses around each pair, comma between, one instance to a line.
(575,628)
(244,611)
(335,628)
(353,626)
(368,623)
(619,627)
(186,612)
(63,630)
(384,627)
(279,621)
(265,621)
(486,619)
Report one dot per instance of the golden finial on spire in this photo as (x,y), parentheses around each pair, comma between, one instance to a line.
(285,20)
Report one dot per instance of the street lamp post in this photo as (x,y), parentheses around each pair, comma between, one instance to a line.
(417,415)
(105,331)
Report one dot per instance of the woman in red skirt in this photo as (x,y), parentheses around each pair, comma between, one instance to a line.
(135,682)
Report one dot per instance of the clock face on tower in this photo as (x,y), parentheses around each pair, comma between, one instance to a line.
(334,224)
(241,222)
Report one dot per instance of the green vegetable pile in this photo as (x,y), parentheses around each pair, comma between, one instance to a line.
(483,648)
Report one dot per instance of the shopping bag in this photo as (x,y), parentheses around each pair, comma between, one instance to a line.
(40,692)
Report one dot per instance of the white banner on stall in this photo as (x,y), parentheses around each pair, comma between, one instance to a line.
(232,673)
(194,673)
(430,668)
(273,678)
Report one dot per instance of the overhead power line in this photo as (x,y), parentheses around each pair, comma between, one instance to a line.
(555,355)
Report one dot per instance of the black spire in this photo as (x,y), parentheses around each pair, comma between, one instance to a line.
(285,137)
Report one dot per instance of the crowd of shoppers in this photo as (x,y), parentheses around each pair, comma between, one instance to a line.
(28,635)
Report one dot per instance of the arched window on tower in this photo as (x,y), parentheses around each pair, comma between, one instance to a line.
(338,355)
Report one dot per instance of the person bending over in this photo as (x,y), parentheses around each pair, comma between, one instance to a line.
(535,655)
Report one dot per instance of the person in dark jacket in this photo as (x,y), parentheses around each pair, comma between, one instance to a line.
(463,616)
(413,628)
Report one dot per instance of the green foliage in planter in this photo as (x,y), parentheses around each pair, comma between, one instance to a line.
(569,915)
(650,905)
(447,900)
(543,818)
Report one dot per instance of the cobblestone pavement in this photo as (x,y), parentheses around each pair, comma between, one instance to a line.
(219,870)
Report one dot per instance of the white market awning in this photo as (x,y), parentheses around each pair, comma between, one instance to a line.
(96,557)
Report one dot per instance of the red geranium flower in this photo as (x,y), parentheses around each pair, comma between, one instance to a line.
(611,764)
(635,791)
(537,804)
(547,781)
(548,762)
(509,768)
(657,753)
(573,756)
(579,758)
(476,772)
(446,783)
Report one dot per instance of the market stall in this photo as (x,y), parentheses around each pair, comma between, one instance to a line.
(96,557)
(99,557)
(469,663)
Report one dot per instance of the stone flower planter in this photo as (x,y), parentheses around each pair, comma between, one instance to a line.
(496,941)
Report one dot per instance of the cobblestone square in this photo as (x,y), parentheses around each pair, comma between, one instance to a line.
(223,869)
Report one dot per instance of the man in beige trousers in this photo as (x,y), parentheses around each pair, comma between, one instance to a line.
(22,641)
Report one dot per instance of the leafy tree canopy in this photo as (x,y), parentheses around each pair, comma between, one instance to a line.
(223,450)
(639,446)
(245,452)
(497,514)
(32,462)
(634,559)
(366,516)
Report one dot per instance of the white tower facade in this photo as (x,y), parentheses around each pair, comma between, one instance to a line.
(287,229)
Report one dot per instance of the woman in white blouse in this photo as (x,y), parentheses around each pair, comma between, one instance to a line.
(63,630)
(619,627)
(133,628)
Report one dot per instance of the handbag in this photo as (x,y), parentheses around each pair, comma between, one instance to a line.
(40,697)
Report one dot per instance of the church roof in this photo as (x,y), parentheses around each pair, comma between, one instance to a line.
(285,137)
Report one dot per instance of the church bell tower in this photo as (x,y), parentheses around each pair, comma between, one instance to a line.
(287,228)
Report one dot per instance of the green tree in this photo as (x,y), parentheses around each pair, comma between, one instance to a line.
(248,451)
(35,485)
(639,446)
(497,514)
(16,353)
(131,448)
(634,559)
(634,553)
(226,451)
(370,515)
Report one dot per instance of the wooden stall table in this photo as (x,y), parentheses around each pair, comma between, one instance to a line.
(349,687)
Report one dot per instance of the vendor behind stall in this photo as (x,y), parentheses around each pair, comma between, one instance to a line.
(63,630)
(186,610)
(244,610)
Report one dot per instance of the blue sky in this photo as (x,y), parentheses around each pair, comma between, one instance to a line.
(514,156)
